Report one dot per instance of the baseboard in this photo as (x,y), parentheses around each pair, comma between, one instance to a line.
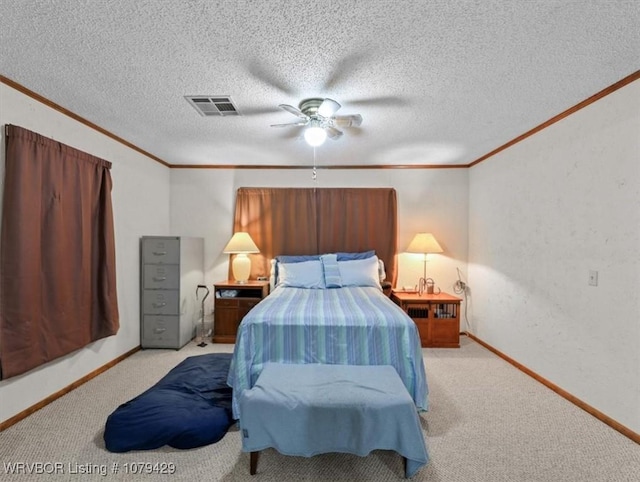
(563,393)
(43,403)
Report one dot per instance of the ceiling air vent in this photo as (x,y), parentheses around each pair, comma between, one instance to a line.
(212,105)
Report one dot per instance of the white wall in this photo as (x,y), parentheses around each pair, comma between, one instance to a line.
(542,214)
(141,207)
(203,201)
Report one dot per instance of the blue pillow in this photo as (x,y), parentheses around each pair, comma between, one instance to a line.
(352,256)
(331,272)
(304,274)
(297,258)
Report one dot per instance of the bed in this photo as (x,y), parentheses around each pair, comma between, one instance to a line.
(328,309)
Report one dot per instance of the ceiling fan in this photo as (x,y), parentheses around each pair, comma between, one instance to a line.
(318,116)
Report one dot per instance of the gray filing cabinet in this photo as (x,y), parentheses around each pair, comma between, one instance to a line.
(171,268)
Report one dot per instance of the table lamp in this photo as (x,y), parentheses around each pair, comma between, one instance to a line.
(424,243)
(241,244)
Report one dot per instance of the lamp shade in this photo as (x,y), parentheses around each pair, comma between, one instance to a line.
(424,243)
(241,243)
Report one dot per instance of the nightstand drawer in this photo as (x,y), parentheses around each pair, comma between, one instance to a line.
(227,302)
(247,303)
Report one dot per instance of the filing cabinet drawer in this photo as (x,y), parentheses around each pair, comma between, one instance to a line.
(161,277)
(161,331)
(161,302)
(161,251)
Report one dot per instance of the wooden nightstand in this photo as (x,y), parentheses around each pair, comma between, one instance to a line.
(437,317)
(232,302)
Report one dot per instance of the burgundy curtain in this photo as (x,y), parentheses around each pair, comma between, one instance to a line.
(313,221)
(57,252)
(279,221)
(359,219)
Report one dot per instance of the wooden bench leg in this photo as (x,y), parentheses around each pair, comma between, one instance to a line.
(253,462)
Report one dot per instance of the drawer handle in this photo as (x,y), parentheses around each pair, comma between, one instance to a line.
(159,253)
(163,278)
(159,305)
(159,330)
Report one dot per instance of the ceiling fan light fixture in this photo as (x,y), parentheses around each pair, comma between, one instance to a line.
(328,108)
(315,136)
(318,116)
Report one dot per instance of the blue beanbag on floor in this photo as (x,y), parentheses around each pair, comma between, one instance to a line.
(189,407)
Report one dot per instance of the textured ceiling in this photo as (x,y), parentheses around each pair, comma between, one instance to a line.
(437,82)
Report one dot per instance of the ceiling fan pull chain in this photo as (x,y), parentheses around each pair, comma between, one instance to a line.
(314,174)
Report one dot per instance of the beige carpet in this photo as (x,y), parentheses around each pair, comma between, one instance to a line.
(487,422)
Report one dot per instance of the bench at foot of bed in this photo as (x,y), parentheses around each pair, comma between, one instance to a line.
(306,410)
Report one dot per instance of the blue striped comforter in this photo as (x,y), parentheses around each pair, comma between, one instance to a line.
(342,326)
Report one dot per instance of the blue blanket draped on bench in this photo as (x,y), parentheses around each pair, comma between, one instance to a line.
(305,410)
(189,407)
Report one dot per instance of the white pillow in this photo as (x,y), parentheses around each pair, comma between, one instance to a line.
(360,272)
(306,274)
(272,275)
(382,273)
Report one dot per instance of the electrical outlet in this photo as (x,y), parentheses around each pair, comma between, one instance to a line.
(593,278)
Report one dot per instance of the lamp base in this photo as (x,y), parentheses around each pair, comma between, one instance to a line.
(241,268)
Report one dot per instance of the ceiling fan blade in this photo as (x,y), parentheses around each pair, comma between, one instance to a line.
(354,120)
(333,133)
(263,74)
(293,110)
(296,132)
(381,101)
(328,107)
(345,68)
(258,110)
(301,123)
